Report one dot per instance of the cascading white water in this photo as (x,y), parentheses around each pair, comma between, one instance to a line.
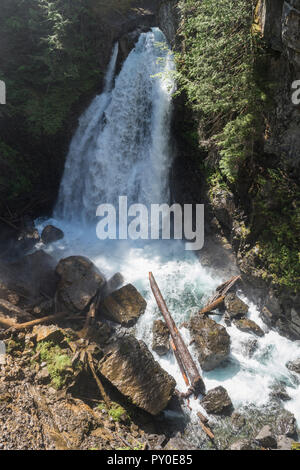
(122,148)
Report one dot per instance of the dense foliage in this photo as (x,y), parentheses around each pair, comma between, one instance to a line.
(222,71)
(53,57)
(216,72)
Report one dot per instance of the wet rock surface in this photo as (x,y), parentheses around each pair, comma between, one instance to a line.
(211,341)
(51,234)
(248,326)
(254,419)
(294,366)
(279,393)
(286,424)
(249,347)
(123,306)
(238,420)
(161,336)
(217,401)
(235,307)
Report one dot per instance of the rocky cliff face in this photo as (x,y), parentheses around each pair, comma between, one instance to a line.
(279,23)
(256,217)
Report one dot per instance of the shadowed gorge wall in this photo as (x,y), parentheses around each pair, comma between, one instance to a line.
(53,58)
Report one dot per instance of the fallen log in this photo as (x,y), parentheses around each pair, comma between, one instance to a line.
(212,306)
(90,318)
(49,425)
(202,418)
(207,431)
(225,287)
(203,424)
(22,326)
(219,297)
(11,312)
(181,366)
(97,380)
(189,365)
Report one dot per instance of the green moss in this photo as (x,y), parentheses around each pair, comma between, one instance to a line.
(116,411)
(14,345)
(59,363)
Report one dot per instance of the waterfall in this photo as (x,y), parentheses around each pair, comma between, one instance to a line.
(122,145)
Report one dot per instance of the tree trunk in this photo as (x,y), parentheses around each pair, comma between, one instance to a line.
(182,351)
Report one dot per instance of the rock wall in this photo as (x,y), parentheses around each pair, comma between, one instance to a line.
(168,19)
(279,23)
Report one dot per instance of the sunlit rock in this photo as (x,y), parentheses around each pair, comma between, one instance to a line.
(211,341)
(123,306)
(131,368)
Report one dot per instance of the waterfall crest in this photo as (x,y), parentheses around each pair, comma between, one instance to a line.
(122,145)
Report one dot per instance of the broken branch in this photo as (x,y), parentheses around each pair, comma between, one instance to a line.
(98,382)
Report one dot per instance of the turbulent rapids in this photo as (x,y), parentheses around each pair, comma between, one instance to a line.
(123,147)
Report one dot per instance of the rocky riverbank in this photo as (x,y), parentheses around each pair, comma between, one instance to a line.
(83,380)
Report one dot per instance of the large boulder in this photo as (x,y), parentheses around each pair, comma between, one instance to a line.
(217,401)
(235,306)
(124,306)
(161,335)
(211,340)
(294,366)
(131,368)
(248,326)
(79,282)
(51,234)
(48,333)
(286,424)
(249,347)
